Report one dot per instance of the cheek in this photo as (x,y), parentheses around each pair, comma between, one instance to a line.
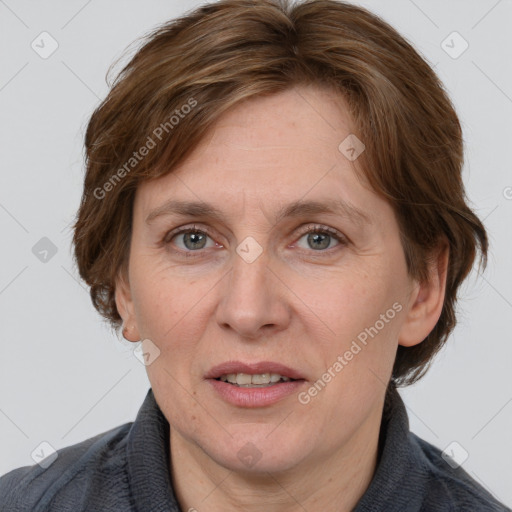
(169,305)
(344,300)
(158,299)
(353,318)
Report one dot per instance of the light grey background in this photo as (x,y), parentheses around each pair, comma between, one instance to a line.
(65,377)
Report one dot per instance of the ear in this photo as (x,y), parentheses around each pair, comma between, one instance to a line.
(426,301)
(125,307)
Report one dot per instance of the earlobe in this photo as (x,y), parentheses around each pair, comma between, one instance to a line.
(427,301)
(125,308)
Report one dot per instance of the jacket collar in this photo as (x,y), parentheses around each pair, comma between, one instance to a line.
(397,468)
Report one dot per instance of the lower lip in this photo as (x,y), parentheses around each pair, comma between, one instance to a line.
(255,397)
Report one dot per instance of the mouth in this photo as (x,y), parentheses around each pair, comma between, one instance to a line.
(260,374)
(254,385)
(259,380)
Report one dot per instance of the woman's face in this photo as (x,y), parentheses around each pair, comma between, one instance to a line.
(250,286)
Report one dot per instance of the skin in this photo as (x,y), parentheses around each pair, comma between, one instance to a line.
(296,304)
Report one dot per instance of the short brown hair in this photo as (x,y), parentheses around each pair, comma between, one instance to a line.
(217,55)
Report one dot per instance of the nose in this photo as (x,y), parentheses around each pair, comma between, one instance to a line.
(253,299)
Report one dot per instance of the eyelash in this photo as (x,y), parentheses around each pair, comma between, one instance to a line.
(341,239)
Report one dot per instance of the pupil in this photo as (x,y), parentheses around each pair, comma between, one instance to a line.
(194,238)
(315,237)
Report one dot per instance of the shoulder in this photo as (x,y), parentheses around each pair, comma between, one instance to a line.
(73,479)
(452,489)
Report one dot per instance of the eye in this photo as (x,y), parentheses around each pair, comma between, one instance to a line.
(320,238)
(190,239)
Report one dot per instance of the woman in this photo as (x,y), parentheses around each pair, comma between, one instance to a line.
(273,203)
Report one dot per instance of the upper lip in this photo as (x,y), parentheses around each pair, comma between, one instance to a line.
(252,369)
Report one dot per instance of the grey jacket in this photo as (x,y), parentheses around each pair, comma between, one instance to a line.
(127,469)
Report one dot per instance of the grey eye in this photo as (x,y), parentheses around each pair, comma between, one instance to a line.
(318,240)
(192,240)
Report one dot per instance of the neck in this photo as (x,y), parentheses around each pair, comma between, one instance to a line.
(333,483)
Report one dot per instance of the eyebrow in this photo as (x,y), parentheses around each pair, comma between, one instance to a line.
(298,208)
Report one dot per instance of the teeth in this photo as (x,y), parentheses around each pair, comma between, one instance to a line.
(263,378)
(246,380)
(243,378)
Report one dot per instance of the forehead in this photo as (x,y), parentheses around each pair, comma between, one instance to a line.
(300,120)
(284,146)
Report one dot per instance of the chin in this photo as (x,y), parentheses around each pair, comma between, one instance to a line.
(254,454)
